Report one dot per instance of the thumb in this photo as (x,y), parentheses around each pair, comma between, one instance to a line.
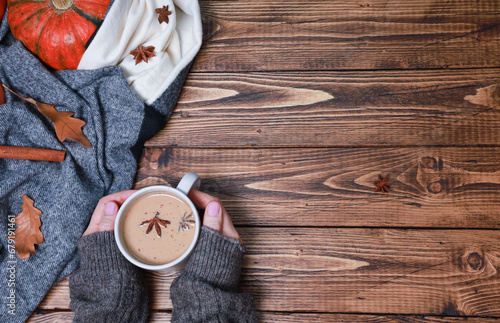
(213,216)
(107,222)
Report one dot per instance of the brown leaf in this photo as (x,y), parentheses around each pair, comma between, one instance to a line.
(65,125)
(28,231)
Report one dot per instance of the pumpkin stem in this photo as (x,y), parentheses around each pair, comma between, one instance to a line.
(62,4)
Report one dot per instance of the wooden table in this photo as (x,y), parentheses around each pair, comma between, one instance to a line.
(291,112)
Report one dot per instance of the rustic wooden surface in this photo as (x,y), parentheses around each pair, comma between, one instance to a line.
(162,317)
(334,186)
(360,270)
(278,35)
(294,108)
(332,109)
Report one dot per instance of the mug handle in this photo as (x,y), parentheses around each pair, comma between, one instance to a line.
(189,181)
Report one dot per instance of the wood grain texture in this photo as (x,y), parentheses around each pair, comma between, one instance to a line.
(67,317)
(260,35)
(386,271)
(373,271)
(432,187)
(355,318)
(159,317)
(294,108)
(332,109)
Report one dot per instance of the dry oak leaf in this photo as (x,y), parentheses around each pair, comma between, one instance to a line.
(28,231)
(65,125)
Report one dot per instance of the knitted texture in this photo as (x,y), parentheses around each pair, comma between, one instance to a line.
(106,287)
(118,123)
(206,291)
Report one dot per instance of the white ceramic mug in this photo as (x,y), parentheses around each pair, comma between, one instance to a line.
(189,181)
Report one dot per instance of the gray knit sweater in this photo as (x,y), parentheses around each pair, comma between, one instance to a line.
(107,288)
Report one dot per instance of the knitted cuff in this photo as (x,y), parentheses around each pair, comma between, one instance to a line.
(216,259)
(99,253)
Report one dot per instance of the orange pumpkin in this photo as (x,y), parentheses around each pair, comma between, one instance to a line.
(57,31)
(3,5)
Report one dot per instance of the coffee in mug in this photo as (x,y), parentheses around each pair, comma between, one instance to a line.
(158,228)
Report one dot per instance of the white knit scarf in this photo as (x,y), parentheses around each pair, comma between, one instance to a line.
(130,23)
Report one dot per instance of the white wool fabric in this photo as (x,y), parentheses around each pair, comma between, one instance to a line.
(131,23)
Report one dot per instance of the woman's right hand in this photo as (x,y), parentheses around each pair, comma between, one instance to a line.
(216,217)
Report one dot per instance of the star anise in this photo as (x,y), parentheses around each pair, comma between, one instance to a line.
(143,53)
(186,222)
(155,222)
(382,185)
(163,14)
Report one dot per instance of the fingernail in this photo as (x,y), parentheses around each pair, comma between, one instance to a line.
(213,209)
(110,208)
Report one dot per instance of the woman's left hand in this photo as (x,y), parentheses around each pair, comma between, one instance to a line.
(105,212)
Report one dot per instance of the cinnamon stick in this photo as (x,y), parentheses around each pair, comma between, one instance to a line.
(32,153)
(2,95)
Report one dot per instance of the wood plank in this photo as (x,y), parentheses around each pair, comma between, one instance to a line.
(353,318)
(373,271)
(67,317)
(332,109)
(262,35)
(159,317)
(345,270)
(432,187)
